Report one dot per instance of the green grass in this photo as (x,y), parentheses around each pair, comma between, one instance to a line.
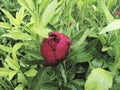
(94,56)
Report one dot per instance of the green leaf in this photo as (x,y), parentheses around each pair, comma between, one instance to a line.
(33,62)
(19,16)
(31,73)
(12,74)
(10,17)
(17,46)
(81,57)
(105,48)
(43,32)
(20,87)
(78,82)
(14,50)
(116,83)
(106,11)
(25,4)
(42,79)
(12,63)
(17,35)
(63,73)
(80,4)
(96,63)
(43,5)
(69,86)
(57,15)
(110,3)
(91,45)
(35,54)
(49,87)
(48,13)
(82,38)
(32,4)
(5,25)
(102,39)
(5,48)
(7,72)
(90,1)
(115,25)
(22,79)
(99,79)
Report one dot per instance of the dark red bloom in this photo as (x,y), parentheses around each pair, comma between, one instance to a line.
(55,48)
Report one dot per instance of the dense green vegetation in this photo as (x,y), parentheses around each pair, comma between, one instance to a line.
(94,58)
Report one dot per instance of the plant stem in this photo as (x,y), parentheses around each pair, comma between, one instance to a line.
(117,53)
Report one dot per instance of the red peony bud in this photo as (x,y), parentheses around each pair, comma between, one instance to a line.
(55,48)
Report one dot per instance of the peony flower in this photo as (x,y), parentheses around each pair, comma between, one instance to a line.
(55,48)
